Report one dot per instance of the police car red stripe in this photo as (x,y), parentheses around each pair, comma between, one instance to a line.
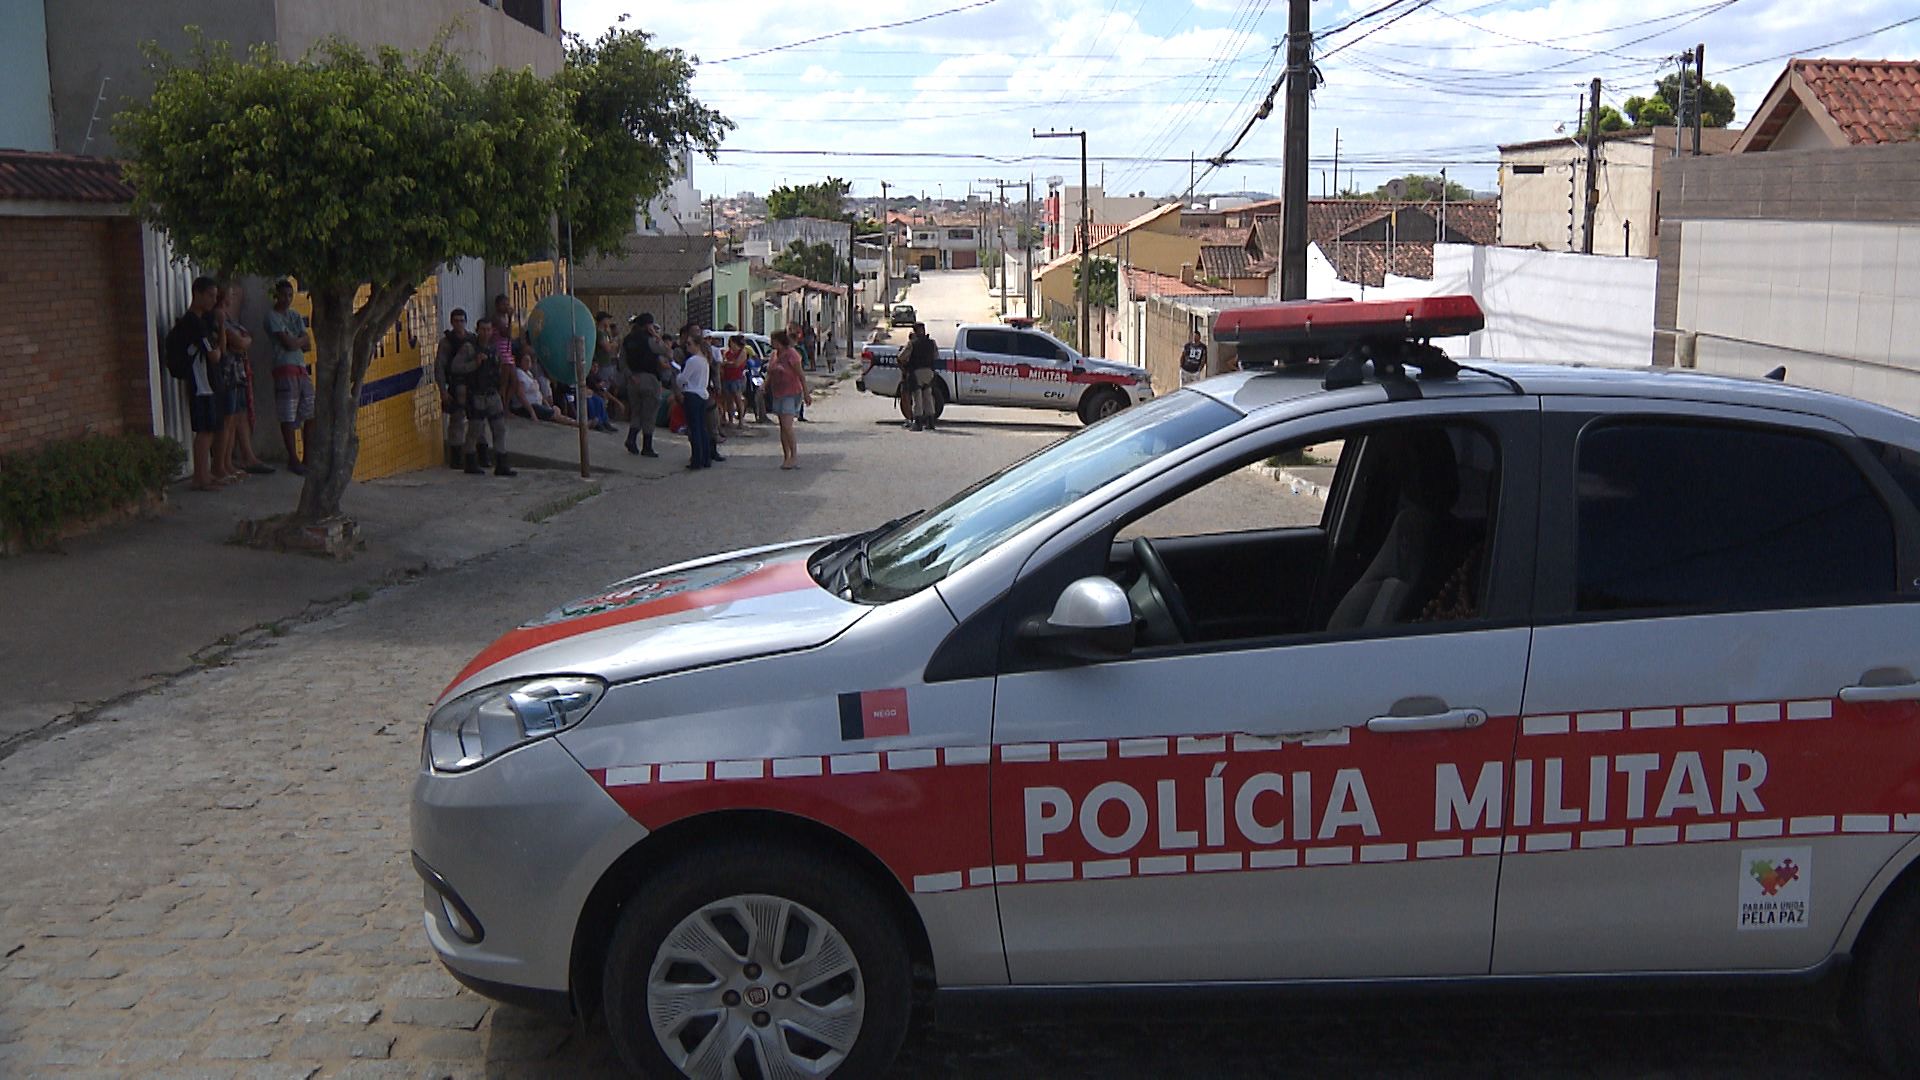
(780,577)
(1146,807)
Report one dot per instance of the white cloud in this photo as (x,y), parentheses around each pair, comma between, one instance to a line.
(1169,80)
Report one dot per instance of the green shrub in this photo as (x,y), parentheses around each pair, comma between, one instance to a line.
(41,490)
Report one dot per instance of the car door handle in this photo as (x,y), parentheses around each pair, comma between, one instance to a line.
(1883,684)
(1449,720)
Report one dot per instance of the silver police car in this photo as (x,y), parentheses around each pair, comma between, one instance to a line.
(1371,669)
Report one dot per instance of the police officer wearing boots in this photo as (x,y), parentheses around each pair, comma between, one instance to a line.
(917,366)
(643,360)
(451,343)
(478,394)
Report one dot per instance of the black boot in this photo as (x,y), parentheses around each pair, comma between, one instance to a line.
(486,455)
(454,457)
(647,449)
(501,467)
(632,449)
(473,464)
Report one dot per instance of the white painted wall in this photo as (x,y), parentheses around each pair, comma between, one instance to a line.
(1838,303)
(1540,305)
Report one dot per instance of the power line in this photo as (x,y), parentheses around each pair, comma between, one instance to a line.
(1822,45)
(856,30)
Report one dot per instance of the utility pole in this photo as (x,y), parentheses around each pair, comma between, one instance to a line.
(1593,176)
(1086,228)
(1293,183)
(1336,163)
(713,261)
(1699,96)
(853,275)
(886,261)
(1026,253)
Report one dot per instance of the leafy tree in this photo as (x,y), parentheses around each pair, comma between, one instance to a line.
(1610,120)
(823,200)
(1648,112)
(816,262)
(1105,277)
(635,112)
(360,176)
(1717,105)
(1419,188)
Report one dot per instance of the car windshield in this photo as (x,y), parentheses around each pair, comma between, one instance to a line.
(965,527)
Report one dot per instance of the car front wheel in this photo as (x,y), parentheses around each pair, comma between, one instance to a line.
(1101,404)
(757,961)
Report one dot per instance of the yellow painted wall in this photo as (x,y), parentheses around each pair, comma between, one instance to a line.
(1157,246)
(402,432)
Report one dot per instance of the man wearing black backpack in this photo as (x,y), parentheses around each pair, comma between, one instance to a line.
(189,351)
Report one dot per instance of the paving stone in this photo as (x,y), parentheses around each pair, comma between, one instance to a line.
(277,1071)
(457,1013)
(239,1047)
(43,996)
(342,1044)
(344,1013)
(424,982)
(147,1051)
(343,988)
(65,1052)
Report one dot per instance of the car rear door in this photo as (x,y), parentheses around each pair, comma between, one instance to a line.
(1720,742)
(981,366)
(1321,803)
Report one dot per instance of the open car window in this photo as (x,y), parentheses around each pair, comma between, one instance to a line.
(1383,527)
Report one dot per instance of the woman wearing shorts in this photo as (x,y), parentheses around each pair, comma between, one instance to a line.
(788,389)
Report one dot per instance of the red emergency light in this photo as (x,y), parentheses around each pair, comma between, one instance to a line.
(1388,332)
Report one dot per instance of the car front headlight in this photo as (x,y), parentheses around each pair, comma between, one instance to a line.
(477,727)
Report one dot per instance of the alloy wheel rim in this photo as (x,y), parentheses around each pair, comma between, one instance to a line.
(755,987)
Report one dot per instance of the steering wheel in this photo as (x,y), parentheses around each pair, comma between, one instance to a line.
(1162,582)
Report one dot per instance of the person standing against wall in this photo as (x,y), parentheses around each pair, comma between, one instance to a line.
(452,405)
(293,383)
(190,358)
(238,343)
(483,380)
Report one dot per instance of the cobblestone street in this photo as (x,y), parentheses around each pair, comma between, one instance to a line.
(212,880)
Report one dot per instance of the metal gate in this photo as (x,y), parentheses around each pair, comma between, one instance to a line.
(169,288)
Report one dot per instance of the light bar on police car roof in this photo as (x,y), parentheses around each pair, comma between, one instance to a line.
(1300,330)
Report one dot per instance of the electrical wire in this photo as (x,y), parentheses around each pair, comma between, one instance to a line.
(1822,45)
(856,30)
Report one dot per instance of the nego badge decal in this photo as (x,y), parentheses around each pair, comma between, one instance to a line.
(873,714)
(1776,885)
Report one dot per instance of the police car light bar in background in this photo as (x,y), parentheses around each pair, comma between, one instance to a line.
(1390,333)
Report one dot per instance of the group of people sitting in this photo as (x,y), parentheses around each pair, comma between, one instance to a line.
(644,378)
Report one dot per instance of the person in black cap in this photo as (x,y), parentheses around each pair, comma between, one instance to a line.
(642,362)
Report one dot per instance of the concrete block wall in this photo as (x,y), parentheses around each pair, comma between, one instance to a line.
(1807,258)
(73,354)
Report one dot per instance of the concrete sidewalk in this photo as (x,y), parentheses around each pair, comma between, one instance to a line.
(129,608)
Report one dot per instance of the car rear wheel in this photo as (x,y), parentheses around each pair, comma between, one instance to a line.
(1100,404)
(1882,1003)
(757,961)
(939,402)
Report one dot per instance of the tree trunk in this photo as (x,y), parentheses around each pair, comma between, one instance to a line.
(343,341)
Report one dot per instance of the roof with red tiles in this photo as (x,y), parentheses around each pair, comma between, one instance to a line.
(1863,102)
(27,175)
(1141,282)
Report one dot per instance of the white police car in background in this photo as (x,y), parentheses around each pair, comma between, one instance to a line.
(995,364)
(1576,674)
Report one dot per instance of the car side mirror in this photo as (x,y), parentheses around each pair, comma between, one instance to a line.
(1092,620)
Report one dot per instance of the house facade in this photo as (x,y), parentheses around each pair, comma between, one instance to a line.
(1828,104)
(1543,184)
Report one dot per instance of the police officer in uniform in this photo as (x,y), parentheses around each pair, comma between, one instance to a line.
(477,392)
(451,343)
(917,363)
(643,362)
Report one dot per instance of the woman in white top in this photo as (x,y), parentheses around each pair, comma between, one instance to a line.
(696,398)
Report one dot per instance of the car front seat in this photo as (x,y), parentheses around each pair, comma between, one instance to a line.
(1429,486)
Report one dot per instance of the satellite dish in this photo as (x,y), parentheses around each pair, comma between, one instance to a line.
(553,325)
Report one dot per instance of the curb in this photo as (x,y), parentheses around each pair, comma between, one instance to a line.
(1300,486)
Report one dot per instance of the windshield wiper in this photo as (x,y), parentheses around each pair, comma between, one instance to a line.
(857,557)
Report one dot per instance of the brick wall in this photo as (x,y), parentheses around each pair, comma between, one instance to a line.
(73,349)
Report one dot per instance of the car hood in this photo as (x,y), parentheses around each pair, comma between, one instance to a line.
(726,607)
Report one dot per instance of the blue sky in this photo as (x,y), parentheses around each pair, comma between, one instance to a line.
(954,98)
